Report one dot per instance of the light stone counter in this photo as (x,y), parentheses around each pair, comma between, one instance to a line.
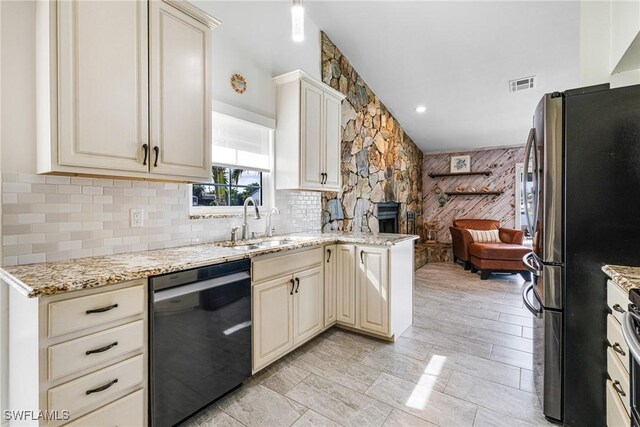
(35,280)
(625,277)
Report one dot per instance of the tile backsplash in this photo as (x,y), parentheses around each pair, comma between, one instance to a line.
(53,218)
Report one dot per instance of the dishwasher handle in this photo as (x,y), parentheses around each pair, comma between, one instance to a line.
(180,290)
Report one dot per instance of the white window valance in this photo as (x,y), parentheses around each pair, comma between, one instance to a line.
(241,144)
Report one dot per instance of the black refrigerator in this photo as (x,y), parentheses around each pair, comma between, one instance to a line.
(583,209)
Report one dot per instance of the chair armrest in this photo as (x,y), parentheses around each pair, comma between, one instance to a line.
(509,235)
(461,239)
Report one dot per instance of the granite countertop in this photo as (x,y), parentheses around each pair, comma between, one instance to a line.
(625,277)
(42,279)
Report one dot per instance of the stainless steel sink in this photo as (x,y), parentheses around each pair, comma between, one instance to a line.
(245,247)
(272,243)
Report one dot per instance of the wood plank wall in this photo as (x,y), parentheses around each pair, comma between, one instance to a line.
(502,163)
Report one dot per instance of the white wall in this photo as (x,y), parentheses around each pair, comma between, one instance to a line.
(610,42)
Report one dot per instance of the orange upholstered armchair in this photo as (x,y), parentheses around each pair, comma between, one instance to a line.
(461,238)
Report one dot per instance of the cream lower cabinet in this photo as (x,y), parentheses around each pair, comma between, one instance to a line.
(375,288)
(81,355)
(330,286)
(123,89)
(617,384)
(287,310)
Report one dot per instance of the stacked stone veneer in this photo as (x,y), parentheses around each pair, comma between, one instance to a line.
(379,163)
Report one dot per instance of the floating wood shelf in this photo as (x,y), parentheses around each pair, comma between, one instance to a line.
(473,193)
(437,175)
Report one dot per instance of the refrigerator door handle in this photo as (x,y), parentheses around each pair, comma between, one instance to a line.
(629,335)
(527,155)
(530,263)
(525,298)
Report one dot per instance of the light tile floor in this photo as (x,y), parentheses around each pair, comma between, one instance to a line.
(466,361)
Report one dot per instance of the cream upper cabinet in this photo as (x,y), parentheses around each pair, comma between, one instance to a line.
(102,84)
(373,285)
(330,285)
(308,307)
(346,285)
(272,320)
(115,80)
(180,93)
(308,134)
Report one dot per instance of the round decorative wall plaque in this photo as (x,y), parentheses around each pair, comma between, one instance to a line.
(239,83)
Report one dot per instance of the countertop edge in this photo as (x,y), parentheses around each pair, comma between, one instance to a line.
(114,279)
(620,278)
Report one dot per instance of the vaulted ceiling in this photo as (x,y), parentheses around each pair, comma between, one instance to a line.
(454,57)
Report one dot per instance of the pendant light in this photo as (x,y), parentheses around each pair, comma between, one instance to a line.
(297,21)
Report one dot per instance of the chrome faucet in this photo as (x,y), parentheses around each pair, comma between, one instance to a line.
(234,234)
(269,230)
(245,226)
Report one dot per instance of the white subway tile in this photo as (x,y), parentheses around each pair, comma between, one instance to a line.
(52,179)
(92,190)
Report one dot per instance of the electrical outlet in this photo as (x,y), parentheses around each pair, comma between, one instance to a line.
(137,218)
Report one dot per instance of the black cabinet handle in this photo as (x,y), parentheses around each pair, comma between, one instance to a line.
(145,147)
(292,286)
(617,308)
(157,150)
(102,388)
(618,349)
(618,387)
(103,309)
(328,252)
(102,349)
(298,282)
(326,176)
(361,257)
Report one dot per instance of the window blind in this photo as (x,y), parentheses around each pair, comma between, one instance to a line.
(240,144)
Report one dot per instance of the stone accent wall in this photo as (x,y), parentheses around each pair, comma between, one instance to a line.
(502,162)
(380,163)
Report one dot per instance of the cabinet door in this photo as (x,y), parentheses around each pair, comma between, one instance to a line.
(311,135)
(330,287)
(332,142)
(346,284)
(373,286)
(180,91)
(308,307)
(102,84)
(272,320)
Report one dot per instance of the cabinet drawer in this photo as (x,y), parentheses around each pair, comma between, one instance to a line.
(617,373)
(84,312)
(128,411)
(616,340)
(616,413)
(72,396)
(71,356)
(617,299)
(286,264)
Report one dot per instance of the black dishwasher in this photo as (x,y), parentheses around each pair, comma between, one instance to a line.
(199,337)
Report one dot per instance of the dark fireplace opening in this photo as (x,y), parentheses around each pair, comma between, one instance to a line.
(388,217)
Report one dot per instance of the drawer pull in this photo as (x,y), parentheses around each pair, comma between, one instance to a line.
(298,284)
(102,388)
(617,308)
(618,349)
(102,349)
(617,387)
(103,309)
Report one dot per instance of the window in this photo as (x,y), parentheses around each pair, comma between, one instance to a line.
(241,157)
(230,187)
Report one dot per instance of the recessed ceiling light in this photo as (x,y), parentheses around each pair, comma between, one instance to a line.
(421,109)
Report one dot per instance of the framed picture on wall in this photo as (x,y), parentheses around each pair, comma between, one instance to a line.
(460,164)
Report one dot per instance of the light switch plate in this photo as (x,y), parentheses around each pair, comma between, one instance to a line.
(137,218)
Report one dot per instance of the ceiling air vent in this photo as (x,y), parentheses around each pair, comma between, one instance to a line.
(522,84)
